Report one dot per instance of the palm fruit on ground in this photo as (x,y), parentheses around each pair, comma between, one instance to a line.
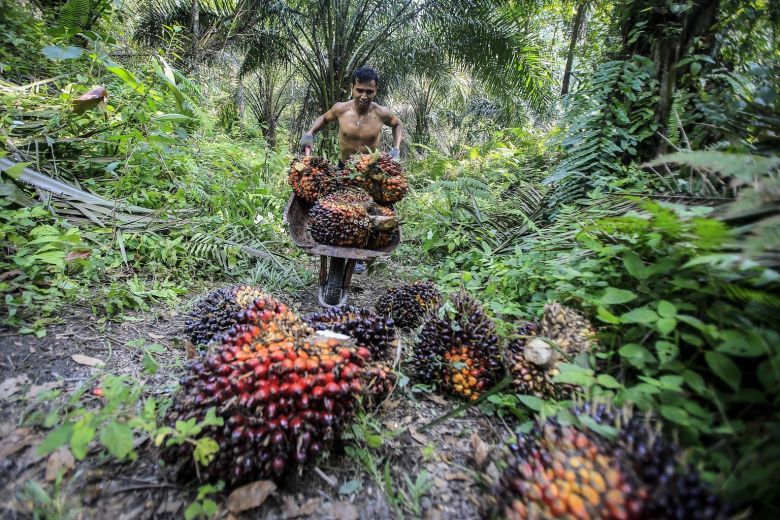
(534,359)
(339,219)
(570,330)
(283,394)
(409,303)
(386,181)
(217,311)
(312,177)
(380,238)
(460,353)
(566,471)
(373,332)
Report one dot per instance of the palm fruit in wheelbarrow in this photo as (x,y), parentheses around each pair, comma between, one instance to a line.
(376,333)
(380,238)
(311,177)
(568,471)
(342,219)
(409,303)
(537,350)
(217,311)
(386,181)
(280,395)
(458,352)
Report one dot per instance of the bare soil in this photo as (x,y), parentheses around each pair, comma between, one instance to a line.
(101,487)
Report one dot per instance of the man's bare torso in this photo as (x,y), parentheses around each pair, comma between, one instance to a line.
(359,132)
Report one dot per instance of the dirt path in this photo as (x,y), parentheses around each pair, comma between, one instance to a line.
(431,474)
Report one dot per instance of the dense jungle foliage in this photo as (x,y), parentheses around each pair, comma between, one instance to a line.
(619,157)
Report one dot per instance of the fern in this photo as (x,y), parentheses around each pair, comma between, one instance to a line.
(75,14)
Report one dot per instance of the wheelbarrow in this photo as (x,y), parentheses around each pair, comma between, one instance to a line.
(336,263)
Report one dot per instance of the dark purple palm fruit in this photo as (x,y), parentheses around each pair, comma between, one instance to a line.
(409,303)
(217,311)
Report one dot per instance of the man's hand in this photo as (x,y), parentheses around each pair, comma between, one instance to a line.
(394,152)
(307,143)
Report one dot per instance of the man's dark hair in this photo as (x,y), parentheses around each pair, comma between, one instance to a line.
(365,74)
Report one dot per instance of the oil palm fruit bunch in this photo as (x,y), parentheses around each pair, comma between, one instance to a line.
(217,311)
(373,332)
(379,237)
(407,304)
(538,349)
(282,392)
(339,219)
(386,181)
(566,471)
(459,353)
(311,177)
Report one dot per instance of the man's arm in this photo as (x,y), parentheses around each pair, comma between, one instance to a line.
(307,141)
(392,120)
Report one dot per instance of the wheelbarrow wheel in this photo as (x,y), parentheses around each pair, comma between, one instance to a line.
(334,284)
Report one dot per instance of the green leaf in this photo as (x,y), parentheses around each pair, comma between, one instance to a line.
(17,170)
(635,266)
(608,381)
(606,316)
(351,486)
(178,118)
(150,365)
(532,402)
(613,296)
(55,439)
(118,439)
(575,375)
(676,415)
(666,325)
(636,354)
(602,429)
(667,309)
(640,315)
(61,53)
(83,433)
(742,344)
(724,368)
(666,351)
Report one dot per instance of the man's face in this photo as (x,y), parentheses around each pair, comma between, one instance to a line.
(363,93)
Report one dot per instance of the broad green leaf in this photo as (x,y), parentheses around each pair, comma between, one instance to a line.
(640,315)
(635,266)
(83,433)
(636,354)
(55,439)
(178,118)
(350,487)
(608,381)
(602,429)
(613,296)
(695,381)
(666,325)
(724,368)
(606,316)
(666,351)
(666,309)
(150,365)
(676,415)
(117,438)
(742,344)
(532,402)
(575,375)
(61,53)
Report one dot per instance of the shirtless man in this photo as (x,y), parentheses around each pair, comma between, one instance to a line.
(360,119)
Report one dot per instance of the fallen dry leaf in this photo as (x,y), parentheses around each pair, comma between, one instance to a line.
(61,459)
(437,399)
(16,440)
(419,437)
(11,386)
(86,360)
(440,483)
(452,441)
(456,475)
(291,509)
(156,336)
(481,450)
(37,390)
(341,511)
(391,404)
(9,274)
(250,496)
(190,350)
(97,97)
(77,255)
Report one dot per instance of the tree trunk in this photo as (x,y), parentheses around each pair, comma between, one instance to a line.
(195,28)
(576,30)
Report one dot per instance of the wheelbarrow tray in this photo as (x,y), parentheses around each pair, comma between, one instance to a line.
(296,214)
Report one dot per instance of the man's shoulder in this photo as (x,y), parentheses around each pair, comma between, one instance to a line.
(339,107)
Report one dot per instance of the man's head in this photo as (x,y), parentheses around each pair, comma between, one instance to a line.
(364,82)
